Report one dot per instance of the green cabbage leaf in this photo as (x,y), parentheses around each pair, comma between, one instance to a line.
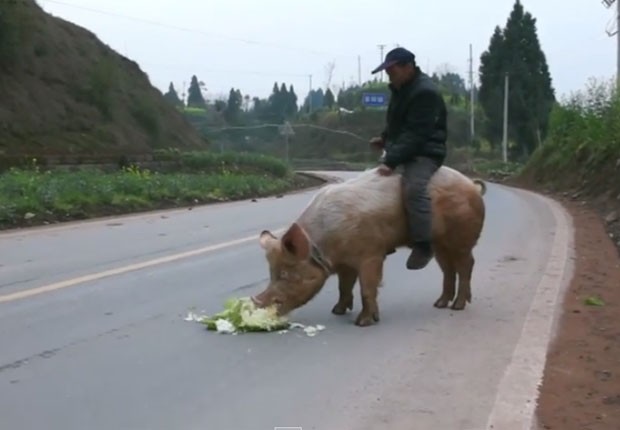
(242,315)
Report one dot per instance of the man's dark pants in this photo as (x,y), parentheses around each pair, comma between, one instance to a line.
(416,175)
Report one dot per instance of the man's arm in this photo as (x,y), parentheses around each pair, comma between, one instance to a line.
(417,129)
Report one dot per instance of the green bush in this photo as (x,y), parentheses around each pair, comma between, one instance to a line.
(227,162)
(68,195)
(584,135)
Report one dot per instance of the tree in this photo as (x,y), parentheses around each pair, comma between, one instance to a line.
(292,102)
(194,95)
(317,98)
(275,104)
(328,100)
(516,50)
(491,86)
(283,102)
(233,106)
(452,84)
(246,102)
(172,97)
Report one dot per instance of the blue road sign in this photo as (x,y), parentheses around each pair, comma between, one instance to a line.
(374,99)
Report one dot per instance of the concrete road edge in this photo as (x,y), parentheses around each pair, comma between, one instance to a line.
(517,395)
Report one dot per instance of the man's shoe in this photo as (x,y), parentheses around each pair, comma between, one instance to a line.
(421,255)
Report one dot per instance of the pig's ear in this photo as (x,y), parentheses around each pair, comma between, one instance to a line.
(296,242)
(266,238)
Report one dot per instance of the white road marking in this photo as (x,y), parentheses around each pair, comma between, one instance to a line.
(516,399)
(124,269)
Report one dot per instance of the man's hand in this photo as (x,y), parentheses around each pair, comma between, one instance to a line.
(377,143)
(384,170)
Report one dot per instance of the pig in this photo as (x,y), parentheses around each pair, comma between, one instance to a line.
(349,229)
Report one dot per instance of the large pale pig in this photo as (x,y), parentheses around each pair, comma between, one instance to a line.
(349,228)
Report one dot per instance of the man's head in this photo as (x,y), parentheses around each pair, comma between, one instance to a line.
(399,65)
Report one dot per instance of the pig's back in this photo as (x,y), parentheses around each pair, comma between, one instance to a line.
(366,199)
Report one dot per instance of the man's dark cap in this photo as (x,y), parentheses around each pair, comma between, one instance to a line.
(396,56)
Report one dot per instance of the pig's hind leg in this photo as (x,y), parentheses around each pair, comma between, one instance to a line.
(456,262)
(464,266)
(370,274)
(446,263)
(347,277)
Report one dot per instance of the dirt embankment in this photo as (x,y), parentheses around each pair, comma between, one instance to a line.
(63,91)
(581,385)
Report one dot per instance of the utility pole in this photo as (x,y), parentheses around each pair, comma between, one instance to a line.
(287,131)
(608,4)
(505,137)
(310,94)
(381,58)
(359,69)
(471,95)
(617,45)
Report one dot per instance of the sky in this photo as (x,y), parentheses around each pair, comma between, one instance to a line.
(250,44)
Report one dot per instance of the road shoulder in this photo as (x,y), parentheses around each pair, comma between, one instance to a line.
(581,383)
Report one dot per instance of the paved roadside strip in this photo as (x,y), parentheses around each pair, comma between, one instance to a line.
(113,271)
(517,394)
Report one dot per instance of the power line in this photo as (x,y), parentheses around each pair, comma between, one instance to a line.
(190,30)
(253,127)
(237,71)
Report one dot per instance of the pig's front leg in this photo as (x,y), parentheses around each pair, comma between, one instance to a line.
(346,281)
(370,274)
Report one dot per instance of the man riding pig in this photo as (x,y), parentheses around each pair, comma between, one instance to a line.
(349,228)
(414,139)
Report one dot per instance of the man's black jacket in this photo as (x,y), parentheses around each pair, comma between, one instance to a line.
(416,122)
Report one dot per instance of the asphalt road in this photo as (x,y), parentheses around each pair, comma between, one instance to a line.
(81,350)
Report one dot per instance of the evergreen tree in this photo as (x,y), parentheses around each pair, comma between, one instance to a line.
(516,50)
(317,98)
(492,86)
(329,98)
(283,102)
(275,104)
(233,106)
(194,95)
(172,97)
(291,110)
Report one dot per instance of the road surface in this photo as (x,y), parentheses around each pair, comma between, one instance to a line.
(93,332)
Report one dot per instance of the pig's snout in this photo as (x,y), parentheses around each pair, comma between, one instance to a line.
(257,302)
(266,299)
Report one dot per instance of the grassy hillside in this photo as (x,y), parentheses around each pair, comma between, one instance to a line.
(64,95)
(64,91)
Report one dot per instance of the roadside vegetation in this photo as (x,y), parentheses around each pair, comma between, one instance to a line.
(582,150)
(34,195)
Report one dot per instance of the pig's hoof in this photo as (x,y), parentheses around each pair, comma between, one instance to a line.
(458,305)
(442,303)
(341,307)
(365,319)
